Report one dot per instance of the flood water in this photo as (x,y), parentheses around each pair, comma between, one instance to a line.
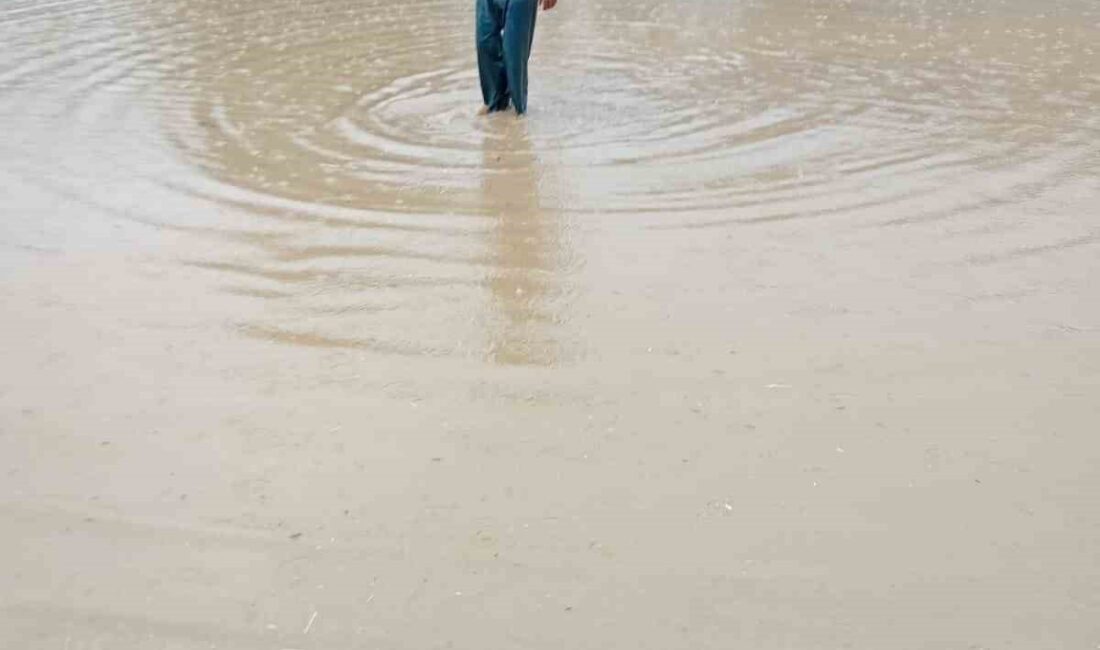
(775,324)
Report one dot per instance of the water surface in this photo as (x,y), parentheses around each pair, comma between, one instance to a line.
(773,324)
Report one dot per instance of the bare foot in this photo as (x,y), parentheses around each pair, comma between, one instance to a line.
(484,110)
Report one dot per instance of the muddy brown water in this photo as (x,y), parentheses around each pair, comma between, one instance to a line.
(774,325)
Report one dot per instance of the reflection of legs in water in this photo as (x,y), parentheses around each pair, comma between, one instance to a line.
(505,32)
(523,247)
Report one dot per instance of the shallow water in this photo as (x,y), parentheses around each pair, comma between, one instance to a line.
(774,323)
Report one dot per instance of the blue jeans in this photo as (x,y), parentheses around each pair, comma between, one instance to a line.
(505,32)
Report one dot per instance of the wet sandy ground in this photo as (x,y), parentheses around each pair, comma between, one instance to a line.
(775,325)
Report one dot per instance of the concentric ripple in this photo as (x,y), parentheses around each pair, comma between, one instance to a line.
(329,153)
(757,112)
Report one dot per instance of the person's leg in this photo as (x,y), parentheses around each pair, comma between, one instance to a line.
(490,54)
(519,34)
